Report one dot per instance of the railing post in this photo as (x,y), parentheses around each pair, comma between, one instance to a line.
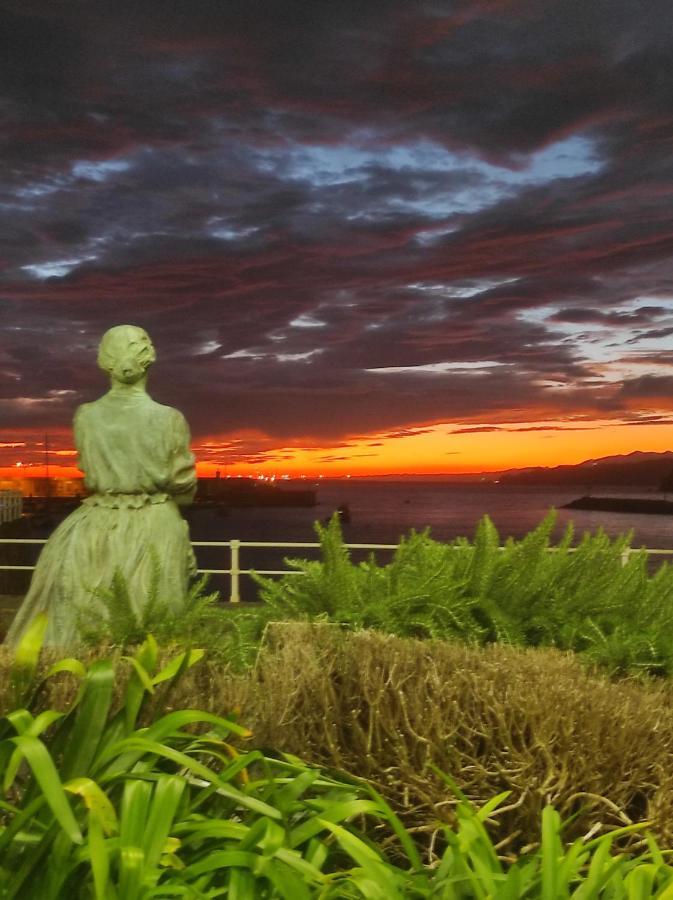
(625,556)
(235,594)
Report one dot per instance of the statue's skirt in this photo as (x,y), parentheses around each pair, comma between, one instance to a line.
(142,537)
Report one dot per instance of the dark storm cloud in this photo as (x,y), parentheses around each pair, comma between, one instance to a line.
(338,219)
(649,359)
(642,316)
(648,387)
(487,428)
(652,334)
(647,420)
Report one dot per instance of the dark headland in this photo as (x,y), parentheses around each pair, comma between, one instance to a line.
(623,505)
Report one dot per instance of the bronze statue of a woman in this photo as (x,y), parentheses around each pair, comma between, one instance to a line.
(138,468)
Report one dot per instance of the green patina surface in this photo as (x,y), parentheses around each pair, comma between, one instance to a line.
(135,456)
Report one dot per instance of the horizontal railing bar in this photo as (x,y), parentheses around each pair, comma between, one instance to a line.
(210,543)
(228,571)
(23,540)
(298,544)
(372,546)
(317,545)
(279,544)
(270,571)
(284,544)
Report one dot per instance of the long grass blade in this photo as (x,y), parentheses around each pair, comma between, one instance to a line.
(136,799)
(112,761)
(74,666)
(551,852)
(26,658)
(96,801)
(396,824)
(286,882)
(186,762)
(132,864)
(168,792)
(46,775)
(100,862)
(90,721)
(181,662)
(369,861)
(334,813)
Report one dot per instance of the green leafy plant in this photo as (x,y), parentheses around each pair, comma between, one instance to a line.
(202,620)
(529,592)
(118,618)
(96,806)
(470,866)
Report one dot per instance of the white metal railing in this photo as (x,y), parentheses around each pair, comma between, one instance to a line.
(11,506)
(235,571)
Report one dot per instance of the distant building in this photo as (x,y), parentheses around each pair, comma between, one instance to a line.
(11,506)
(29,486)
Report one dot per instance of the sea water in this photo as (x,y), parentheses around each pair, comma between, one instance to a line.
(384,511)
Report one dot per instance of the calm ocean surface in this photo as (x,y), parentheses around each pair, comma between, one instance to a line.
(381,512)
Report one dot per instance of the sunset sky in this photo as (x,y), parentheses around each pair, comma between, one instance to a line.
(365,237)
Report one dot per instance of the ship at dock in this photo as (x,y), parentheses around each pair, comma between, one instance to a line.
(47,502)
(238,493)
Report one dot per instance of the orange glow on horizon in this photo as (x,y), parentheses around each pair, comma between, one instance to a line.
(436,449)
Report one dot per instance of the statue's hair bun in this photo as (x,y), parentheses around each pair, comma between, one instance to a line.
(118,340)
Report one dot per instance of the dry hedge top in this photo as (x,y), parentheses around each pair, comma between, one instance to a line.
(535,722)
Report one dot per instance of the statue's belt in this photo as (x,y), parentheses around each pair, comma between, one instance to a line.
(125,501)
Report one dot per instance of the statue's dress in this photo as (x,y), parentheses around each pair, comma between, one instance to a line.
(138,467)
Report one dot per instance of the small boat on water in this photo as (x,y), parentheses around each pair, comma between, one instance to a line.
(344,513)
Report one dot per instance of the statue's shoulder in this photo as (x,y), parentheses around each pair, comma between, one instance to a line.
(84,409)
(169,412)
(169,416)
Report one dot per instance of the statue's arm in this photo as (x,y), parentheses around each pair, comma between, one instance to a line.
(78,427)
(182,486)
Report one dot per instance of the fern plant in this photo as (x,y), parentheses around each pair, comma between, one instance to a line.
(228,634)
(529,592)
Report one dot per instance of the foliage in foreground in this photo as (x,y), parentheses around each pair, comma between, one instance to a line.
(97,807)
(226,633)
(532,721)
(530,593)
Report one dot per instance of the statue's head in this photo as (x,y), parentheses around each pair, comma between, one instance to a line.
(126,353)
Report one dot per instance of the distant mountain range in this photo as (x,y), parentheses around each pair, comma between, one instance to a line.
(634,471)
